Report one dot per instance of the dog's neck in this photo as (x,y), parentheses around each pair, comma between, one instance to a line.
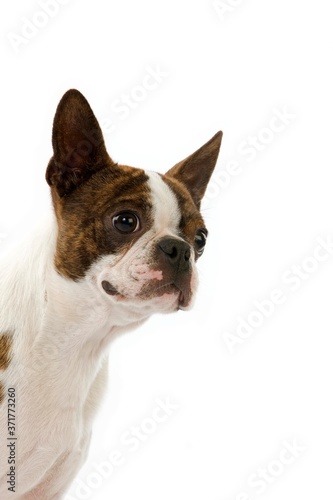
(57,324)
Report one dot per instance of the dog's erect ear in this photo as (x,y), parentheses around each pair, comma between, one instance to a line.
(195,171)
(78,145)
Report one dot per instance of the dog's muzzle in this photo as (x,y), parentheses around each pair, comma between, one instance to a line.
(171,259)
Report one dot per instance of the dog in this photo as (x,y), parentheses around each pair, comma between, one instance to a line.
(120,244)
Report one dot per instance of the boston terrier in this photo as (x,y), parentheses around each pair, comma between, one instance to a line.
(120,244)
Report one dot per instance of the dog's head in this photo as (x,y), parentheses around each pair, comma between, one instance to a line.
(134,234)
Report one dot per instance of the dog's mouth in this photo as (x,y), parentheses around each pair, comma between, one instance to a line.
(172,289)
(184,293)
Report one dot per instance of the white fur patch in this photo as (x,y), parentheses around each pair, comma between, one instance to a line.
(166,212)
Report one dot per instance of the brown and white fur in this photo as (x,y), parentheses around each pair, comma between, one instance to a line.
(120,245)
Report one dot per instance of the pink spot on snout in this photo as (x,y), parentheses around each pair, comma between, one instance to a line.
(142,272)
(155,275)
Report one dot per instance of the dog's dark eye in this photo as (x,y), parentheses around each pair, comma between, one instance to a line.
(126,222)
(200,240)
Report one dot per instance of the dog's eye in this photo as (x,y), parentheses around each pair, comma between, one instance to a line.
(200,240)
(126,222)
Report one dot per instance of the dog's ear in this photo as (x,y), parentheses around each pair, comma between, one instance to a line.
(78,145)
(195,171)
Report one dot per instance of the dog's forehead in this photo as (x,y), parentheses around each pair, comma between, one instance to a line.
(173,208)
(114,186)
(165,207)
(167,202)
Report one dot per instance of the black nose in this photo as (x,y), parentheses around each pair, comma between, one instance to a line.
(177,252)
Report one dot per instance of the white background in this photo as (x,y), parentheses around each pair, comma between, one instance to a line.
(233,71)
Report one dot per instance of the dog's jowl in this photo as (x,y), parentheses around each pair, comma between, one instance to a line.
(120,244)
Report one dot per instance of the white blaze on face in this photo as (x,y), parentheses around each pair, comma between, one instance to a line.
(166,212)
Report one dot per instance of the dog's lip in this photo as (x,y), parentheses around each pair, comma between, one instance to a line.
(108,288)
(170,288)
(183,296)
(183,301)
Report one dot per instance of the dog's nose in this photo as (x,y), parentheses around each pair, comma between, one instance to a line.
(177,252)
